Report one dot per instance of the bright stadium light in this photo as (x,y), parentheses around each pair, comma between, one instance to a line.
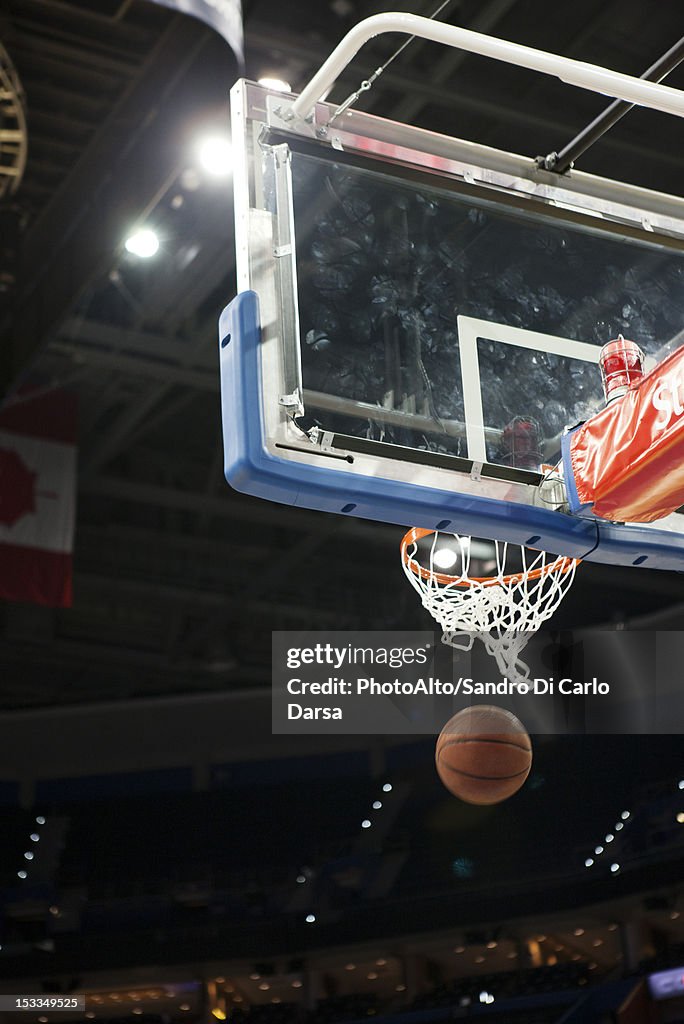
(215,155)
(142,243)
(275,84)
(445,558)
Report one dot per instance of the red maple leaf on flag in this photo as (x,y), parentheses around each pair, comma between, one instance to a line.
(17,488)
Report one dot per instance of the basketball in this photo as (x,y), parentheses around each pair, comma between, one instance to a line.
(483,754)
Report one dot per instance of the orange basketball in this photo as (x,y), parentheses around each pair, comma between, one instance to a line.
(483,754)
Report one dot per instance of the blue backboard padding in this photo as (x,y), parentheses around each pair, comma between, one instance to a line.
(252,469)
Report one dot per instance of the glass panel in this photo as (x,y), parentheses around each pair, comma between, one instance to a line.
(386,265)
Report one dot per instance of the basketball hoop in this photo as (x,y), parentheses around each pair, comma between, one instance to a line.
(503,610)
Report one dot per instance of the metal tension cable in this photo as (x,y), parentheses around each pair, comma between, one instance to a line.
(368,82)
(564,160)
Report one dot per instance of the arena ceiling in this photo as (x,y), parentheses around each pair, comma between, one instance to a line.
(178,580)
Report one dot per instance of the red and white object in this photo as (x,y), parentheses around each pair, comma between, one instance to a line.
(622,365)
(37,498)
(626,463)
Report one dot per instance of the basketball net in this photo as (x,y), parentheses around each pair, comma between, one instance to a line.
(503,610)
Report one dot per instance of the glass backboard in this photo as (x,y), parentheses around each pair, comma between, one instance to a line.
(429,320)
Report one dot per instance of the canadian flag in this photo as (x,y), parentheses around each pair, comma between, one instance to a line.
(37,498)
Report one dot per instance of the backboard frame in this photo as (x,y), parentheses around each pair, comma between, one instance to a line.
(363,478)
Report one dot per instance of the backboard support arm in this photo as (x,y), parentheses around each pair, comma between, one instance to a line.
(572,72)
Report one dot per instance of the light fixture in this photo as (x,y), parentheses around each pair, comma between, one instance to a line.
(365,823)
(218,1013)
(34,837)
(680,817)
(40,820)
(215,155)
(625,815)
(377,804)
(275,84)
(254,976)
(296,983)
(22,874)
(674,915)
(301,879)
(598,850)
(28,855)
(445,558)
(142,243)
(387,788)
(372,975)
(614,868)
(578,931)
(264,986)
(610,837)
(310,918)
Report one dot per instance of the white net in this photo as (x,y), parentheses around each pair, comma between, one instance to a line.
(503,609)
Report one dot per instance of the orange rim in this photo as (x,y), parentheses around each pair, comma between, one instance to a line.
(561,565)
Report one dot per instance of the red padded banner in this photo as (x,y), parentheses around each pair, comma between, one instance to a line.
(628,460)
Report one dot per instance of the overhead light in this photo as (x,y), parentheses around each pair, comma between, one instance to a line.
(275,84)
(387,788)
(34,837)
(445,558)
(215,155)
(365,823)
(310,918)
(143,243)
(218,1013)
(21,874)
(350,967)
(40,820)
(614,868)
(588,862)
(578,932)
(625,815)
(680,817)
(377,804)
